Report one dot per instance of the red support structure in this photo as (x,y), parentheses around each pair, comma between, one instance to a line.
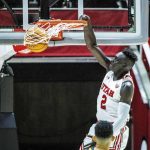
(140,115)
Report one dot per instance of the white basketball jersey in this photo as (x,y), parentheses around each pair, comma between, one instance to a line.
(109,97)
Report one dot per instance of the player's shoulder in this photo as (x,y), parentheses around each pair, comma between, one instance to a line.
(109,73)
(126,92)
(127,87)
(127,80)
(127,84)
(89,148)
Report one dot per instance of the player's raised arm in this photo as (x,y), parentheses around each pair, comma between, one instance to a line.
(91,43)
(126,94)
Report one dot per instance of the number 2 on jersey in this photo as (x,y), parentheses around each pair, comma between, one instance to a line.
(103,102)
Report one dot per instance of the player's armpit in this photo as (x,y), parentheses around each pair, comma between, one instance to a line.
(126,92)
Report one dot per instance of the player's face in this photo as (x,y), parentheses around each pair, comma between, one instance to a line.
(121,63)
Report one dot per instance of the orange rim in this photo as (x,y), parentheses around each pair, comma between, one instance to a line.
(54,22)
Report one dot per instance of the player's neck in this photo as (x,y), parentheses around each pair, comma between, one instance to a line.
(101,148)
(118,75)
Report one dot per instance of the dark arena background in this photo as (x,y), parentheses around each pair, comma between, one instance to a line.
(48,99)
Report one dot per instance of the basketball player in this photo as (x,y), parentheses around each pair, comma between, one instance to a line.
(103,136)
(116,92)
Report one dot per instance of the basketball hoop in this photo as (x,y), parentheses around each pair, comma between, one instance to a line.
(37,37)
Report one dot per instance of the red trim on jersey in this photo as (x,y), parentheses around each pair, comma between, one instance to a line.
(128,77)
(118,141)
(81,147)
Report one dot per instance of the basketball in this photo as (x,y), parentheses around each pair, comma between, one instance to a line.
(33,38)
(37,48)
(37,37)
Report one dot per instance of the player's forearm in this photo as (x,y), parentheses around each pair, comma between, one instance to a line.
(89,36)
(123,112)
(91,43)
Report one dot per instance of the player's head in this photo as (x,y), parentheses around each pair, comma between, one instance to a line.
(103,134)
(123,61)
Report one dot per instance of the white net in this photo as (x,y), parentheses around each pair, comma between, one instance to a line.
(36,35)
(43,33)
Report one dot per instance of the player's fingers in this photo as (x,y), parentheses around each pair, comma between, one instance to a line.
(80,18)
(84,17)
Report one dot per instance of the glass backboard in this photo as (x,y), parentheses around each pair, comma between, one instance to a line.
(119,25)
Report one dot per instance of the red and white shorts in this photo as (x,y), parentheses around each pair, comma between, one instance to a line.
(121,140)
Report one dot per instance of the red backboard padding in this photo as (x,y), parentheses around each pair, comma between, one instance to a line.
(70,51)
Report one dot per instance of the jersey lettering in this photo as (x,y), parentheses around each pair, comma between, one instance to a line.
(107,90)
(103,102)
